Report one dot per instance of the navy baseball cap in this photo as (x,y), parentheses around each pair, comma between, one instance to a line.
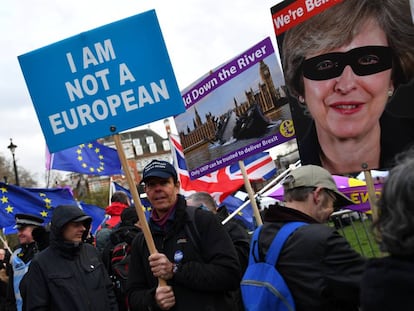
(161,169)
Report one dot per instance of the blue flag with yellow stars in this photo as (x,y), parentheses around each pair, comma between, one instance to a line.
(245,215)
(97,213)
(35,201)
(144,201)
(92,158)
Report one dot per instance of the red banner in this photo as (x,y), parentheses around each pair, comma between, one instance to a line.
(297,12)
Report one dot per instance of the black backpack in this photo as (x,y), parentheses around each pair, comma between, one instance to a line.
(119,257)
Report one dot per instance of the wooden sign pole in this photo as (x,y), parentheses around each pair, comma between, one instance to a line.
(137,201)
(371,192)
(250,192)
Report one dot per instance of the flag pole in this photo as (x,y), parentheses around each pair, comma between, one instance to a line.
(137,201)
(111,189)
(371,191)
(250,192)
(5,244)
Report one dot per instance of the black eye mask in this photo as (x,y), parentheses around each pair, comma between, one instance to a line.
(365,60)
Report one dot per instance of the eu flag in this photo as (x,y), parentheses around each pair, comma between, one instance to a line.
(97,213)
(144,201)
(92,158)
(35,201)
(245,215)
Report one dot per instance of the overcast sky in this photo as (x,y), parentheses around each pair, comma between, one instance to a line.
(200,35)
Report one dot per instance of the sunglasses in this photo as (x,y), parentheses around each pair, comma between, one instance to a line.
(365,60)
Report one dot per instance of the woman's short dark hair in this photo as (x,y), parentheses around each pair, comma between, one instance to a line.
(396,208)
(121,197)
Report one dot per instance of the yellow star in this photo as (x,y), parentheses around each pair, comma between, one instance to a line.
(97,150)
(90,145)
(44,213)
(79,151)
(3,189)
(48,203)
(4,199)
(9,209)
(42,194)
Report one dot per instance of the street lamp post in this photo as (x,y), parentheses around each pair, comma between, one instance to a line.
(12,148)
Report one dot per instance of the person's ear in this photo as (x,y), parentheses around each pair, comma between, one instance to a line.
(317,195)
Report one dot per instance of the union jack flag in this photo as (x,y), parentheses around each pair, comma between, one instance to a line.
(225,181)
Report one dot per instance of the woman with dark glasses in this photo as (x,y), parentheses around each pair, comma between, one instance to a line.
(345,67)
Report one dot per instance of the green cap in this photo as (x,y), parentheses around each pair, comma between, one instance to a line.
(315,176)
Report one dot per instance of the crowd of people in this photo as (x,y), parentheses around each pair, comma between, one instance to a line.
(199,263)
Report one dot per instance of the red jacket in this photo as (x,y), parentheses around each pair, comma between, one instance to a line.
(114,210)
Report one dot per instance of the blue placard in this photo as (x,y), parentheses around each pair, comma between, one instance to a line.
(102,82)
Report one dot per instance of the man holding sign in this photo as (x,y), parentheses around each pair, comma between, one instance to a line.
(195,256)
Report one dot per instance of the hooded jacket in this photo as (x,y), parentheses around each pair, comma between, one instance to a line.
(67,275)
(114,210)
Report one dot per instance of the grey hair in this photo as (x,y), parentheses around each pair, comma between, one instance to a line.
(338,25)
(396,207)
(204,198)
(297,194)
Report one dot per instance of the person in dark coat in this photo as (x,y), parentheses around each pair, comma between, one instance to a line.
(388,282)
(199,274)
(236,231)
(124,233)
(69,274)
(119,202)
(318,265)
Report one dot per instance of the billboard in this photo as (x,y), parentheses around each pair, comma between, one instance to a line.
(235,111)
(348,67)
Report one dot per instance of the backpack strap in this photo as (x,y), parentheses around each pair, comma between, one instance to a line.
(280,239)
(254,248)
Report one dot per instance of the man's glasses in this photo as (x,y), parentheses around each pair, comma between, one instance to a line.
(365,60)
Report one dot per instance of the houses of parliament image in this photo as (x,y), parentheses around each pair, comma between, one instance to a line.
(259,114)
